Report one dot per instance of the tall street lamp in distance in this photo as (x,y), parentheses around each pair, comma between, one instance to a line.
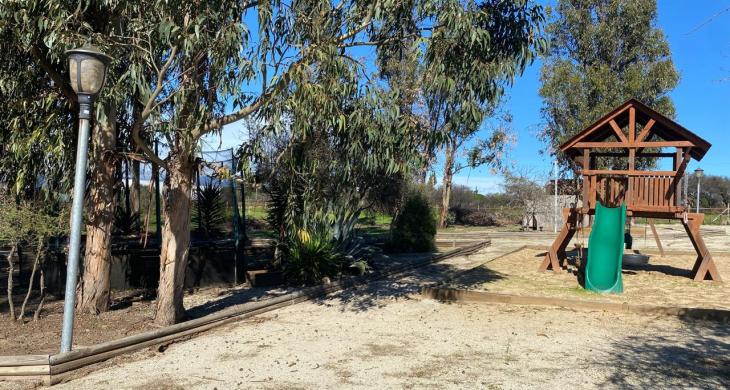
(698,173)
(87,71)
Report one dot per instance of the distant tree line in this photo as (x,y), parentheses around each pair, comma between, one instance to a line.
(715,191)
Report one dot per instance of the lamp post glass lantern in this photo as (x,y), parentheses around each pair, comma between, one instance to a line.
(698,173)
(87,72)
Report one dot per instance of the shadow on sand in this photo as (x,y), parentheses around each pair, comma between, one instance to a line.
(379,292)
(360,293)
(698,357)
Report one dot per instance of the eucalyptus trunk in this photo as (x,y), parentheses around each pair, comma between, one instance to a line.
(93,289)
(447,183)
(175,238)
(135,194)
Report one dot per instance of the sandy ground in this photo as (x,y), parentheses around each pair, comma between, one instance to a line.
(664,281)
(385,336)
(401,343)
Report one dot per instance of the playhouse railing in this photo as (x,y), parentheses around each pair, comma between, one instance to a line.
(641,191)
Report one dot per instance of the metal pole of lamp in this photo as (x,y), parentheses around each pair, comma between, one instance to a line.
(555,203)
(698,174)
(87,70)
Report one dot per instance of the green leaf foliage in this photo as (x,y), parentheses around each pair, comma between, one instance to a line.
(414,229)
(311,256)
(30,222)
(603,52)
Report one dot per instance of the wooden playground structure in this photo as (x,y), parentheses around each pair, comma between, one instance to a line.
(611,155)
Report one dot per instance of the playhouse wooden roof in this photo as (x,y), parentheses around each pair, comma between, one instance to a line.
(629,115)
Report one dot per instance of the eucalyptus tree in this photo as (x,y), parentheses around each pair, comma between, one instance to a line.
(42,113)
(603,52)
(194,67)
(477,151)
(197,69)
(468,65)
(35,126)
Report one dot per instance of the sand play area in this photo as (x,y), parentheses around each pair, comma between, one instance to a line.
(386,336)
(664,281)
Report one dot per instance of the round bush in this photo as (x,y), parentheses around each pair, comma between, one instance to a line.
(414,229)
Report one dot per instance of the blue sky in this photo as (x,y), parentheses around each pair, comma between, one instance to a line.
(702,98)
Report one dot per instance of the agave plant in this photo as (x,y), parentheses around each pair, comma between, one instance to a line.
(310,256)
(126,222)
(210,209)
(355,253)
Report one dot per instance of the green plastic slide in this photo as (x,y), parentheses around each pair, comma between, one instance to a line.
(606,250)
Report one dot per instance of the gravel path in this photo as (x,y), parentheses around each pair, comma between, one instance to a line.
(384,336)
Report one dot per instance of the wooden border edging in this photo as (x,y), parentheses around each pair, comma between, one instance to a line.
(445,294)
(55,368)
(25,367)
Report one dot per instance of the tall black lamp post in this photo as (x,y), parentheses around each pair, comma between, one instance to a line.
(87,70)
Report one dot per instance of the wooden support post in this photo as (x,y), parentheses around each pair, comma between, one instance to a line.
(556,254)
(632,125)
(704,265)
(593,191)
(650,221)
(586,179)
(629,195)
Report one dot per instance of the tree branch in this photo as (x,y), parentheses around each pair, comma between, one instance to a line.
(366,22)
(244,112)
(149,107)
(160,84)
(41,55)
(148,153)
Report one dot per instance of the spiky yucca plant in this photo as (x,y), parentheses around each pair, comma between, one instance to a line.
(310,256)
(209,215)
(126,222)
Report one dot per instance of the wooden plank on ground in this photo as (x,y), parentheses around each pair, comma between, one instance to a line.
(458,295)
(25,370)
(23,360)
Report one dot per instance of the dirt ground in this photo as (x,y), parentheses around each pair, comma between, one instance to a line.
(664,281)
(672,236)
(384,337)
(132,312)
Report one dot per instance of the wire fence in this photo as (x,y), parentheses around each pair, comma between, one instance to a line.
(218,196)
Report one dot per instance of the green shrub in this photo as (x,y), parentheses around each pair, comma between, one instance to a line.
(414,229)
(311,256)
(472,217)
